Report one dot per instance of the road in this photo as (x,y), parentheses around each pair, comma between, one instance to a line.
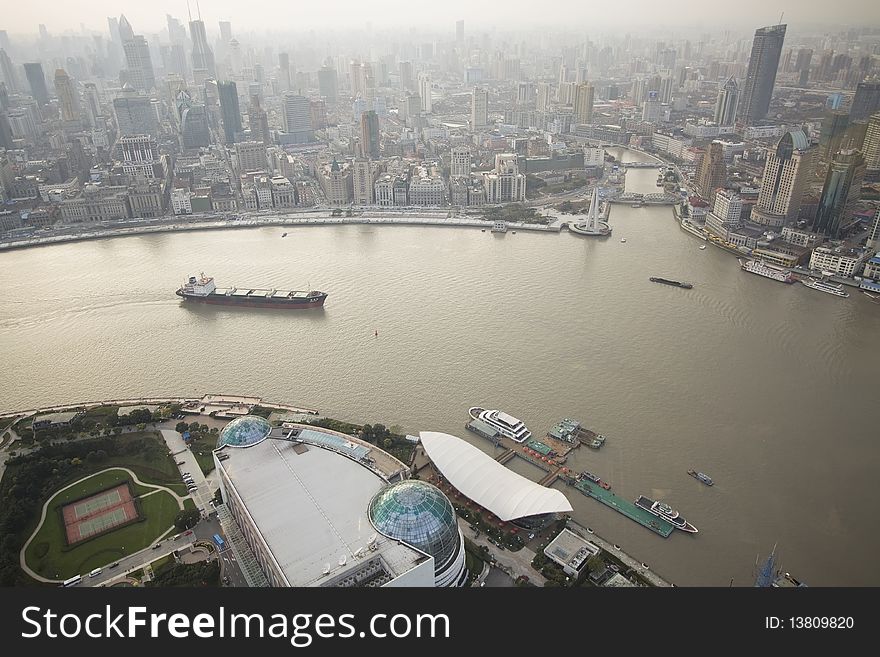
(513,563)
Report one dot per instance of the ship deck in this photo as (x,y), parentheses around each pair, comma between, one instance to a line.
(625,507)
(259,292)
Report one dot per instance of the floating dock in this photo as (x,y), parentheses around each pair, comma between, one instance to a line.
(627,508)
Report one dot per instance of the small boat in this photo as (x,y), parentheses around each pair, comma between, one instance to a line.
(872,297)
(622,239)
(285,235)
(702,247)
(706,479)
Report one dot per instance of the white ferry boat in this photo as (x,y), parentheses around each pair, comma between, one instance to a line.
(823,286)
(767,271)
(507,425)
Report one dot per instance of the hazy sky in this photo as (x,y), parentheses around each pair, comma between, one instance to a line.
(283,15)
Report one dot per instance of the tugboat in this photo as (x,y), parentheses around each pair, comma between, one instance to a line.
(706,479)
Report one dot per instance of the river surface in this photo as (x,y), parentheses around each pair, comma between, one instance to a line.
(769,388)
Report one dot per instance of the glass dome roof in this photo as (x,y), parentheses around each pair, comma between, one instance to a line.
(244,431)
(419,514)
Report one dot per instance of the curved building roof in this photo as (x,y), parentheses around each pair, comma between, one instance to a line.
(244,431)
(488,483)
(420,514)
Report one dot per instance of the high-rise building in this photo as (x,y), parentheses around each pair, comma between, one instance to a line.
(225,31)
(425,92)
(460,162)
(327,83)
(134,115)
(370,135)
(6,137)
(713,171)
(505,183)
(251,156)
(258,122)
(583,103)
(284,71)
(843,185)
(651,108)
(141,158)
(834,126)
(761,75)
(194,129)
(33,71)
(866,101)
(230,110)
(7,71)
(479,108)
(297,118)
(405,73)
(67,96)
(544,94)
(138,63)
(872,145)
(786,173)
(202,55)
(873,242)
(725,106)
(363,182)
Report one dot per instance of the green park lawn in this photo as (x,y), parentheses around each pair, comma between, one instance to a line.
(49,555)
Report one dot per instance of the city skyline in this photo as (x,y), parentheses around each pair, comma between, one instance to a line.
(679,14)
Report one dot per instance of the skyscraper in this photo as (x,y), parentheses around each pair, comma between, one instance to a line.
(370,134)
(425,92)
(542,102)
(225,31)
(479,108)
(67,95)
(137,57)
(872,145)
(786,173)
(37,80)
(713,171)
(230,110)
(405,74)
(834,125)
(866,100)
(284,70)
(297,117)
(583,103)
(327,83)
(134,115)
(258,121)
(761,75)
(202,55)
(460,162)
(843,185)
(7,71)
(725,106)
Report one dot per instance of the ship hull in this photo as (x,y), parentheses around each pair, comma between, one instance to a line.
(255,302)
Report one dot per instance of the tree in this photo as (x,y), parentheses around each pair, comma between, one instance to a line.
(387,443)
(193,427)
(180,427)
(187,519)
(367,433)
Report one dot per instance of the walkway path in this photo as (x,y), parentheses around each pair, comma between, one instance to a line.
(513,563)
(21,556)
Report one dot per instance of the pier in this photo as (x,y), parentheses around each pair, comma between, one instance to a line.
(625,507)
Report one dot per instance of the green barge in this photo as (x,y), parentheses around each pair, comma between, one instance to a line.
(627,508)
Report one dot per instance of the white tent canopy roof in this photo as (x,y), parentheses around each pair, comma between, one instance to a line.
(488,483)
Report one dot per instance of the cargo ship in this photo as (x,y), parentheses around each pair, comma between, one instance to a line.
(666,512)
(204,290)
(767,271)
(655,279)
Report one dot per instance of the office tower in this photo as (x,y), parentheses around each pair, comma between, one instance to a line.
(33,71)
(194,129)
(505,183)
(460,162)
(855,135)
(405,73)
(258,122)
(92,102)
(583,103)
(713,171)
(479,108)
(284,71)
(459,31)
(651,108)
(134,115)
(4,97)
(425,92)
(230,110)
(542,103)
(327,83)
(225,31)
(834,126)
(786,174)
(843,185)
(364,191)
(67,96)
(873,242)
(202,55)
(297,118)
(370,134)
(7,72)
(727,208)
(761,75)
(176,31)
(412,106)
(251,156)
(6,137)
(872,145)
(137,57)
(725,106)
(866,100)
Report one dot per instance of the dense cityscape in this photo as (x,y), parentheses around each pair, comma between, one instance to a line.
(765,144)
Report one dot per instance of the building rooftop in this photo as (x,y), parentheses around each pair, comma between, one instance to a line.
(570,549)
(311,506)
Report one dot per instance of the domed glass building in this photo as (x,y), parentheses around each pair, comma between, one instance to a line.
(244,431)
(420,515)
